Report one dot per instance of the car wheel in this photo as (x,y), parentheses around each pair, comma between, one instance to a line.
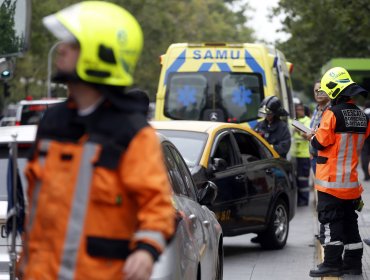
(219,264)
(276,235)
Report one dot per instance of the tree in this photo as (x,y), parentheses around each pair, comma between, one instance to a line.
(321,30)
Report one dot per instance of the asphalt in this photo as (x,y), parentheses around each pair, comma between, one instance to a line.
(244,260)
(364,227)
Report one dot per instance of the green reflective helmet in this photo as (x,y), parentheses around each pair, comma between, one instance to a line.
(334,81)
(109,37)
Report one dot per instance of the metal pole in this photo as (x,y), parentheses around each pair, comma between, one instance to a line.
(13,252)
(49,68)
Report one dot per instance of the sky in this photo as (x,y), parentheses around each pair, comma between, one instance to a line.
(264,28)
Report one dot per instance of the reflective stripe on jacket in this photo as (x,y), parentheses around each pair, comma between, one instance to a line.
(97,201)
(339,139)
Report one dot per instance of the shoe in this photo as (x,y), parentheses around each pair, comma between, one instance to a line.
(326,271)
(351,271)
(256,239)
(366,241)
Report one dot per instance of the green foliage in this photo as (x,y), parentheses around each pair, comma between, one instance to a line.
(10,42)
(163,21)
(321,30)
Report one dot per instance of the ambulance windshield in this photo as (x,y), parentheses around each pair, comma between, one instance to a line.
(215,96)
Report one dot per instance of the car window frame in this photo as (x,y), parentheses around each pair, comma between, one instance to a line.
(175,183)
(184,170)
(257,142)
(219,135)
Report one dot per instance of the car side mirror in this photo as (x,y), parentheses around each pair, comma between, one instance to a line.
(219,164)
(207,194)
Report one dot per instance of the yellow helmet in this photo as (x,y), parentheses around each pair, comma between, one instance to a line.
(110,40)
(334,81)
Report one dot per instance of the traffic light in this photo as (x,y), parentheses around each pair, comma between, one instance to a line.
(5,74)
(6,69)
(6,89)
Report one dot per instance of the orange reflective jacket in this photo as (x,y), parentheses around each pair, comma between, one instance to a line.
(94,199)
(339,139)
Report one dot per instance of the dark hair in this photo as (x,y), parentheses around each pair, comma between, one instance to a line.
(318,81)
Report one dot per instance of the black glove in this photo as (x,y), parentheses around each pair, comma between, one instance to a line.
(359,204)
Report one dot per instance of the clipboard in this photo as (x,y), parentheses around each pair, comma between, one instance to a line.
(301,127)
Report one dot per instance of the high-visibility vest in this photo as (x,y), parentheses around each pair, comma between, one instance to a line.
(339,139)
(300,149)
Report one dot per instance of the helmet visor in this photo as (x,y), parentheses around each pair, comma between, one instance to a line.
(58,30)
(264,112)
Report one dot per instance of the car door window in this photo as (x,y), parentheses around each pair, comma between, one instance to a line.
(185,172)
(177,182)
(224,150)
(251,149)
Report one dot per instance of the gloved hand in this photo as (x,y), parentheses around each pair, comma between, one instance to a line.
(359,204)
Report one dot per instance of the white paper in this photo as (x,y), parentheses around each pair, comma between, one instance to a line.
(300,126)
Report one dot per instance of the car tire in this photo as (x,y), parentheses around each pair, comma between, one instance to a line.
(276,234)
(219,265)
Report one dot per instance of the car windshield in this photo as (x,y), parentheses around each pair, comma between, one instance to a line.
(190,144)
(4,161)
(230,97)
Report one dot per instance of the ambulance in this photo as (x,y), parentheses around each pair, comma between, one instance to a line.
(221,82)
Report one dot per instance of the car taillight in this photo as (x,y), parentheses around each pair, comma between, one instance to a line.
(24,145)
(17,123)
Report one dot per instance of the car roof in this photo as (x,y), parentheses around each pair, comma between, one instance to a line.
(42,101)
(208,127)
(196,126)
(24,133)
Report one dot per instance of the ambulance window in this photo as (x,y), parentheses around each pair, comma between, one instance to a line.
(241,96)
(185,97)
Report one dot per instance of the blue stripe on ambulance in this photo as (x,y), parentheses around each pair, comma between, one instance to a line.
(205,67)
(223,67)
(179,61)
(253,64)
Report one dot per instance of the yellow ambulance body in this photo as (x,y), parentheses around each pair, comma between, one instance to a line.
(221,82)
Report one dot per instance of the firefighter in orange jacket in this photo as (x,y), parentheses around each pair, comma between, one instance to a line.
(339,139)
(99,197)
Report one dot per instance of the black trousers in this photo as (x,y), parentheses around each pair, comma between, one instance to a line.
(303,174)
(339,230)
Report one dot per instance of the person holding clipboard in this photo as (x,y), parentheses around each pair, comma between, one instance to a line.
(339,139)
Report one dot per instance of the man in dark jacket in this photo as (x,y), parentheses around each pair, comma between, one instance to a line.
(272,128)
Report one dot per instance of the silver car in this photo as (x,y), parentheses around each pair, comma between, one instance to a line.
(195,252)
(25,137)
